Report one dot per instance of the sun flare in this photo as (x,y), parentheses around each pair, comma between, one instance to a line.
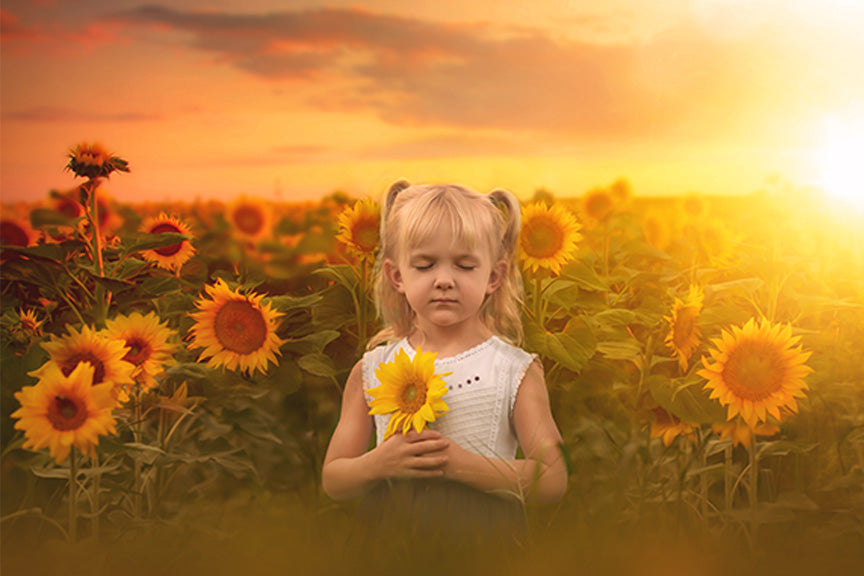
(840,171)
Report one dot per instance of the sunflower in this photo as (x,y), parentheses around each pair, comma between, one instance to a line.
(235,330)
(656,230)
(410,391)
(103,353)
(548,237)
(93,161)
(359,227)
(148,342)
(598,203)
(684,335)
(250,219)
(757,370)
(740,432)
(15,232)
(668,426)
(173,256)
(64,410)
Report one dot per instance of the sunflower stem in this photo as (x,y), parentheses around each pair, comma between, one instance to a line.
(754,495)
(73,495)
(94,501)
(538,303)
(727,477)
(361,305)
(136,430)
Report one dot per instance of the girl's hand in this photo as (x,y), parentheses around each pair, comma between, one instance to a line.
(412,455)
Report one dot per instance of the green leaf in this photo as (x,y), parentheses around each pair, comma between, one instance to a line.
(311,343)
(630,350)
(318,364)
(141,241)
(572,348)
(581,274)
(342,274)
(286,304)
(685,398)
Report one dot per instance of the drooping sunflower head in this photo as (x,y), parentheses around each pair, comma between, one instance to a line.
(65,410)
(94,161)
(740,432)
(410,392)
(360,227)
(548,238)
(250,219)
(104,354)
(173,256)
(757,371)
(235,330)
(148,342)
(657,230)
(15,232)
(684,335)
(668,426)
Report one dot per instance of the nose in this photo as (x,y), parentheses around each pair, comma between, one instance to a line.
(443,280)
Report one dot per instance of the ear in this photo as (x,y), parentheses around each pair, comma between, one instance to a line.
(497,276)
(394,275)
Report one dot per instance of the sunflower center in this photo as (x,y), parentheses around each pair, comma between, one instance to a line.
(66,413)
(366,235)
(164,228)
(544,238)
(72,362)
(685,327)
(597,206)
(139,351)
(12,234)
(240,327)
(249,220)
(413,397)
(753,371)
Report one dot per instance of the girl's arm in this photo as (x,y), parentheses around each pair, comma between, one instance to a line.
(542,475)
(350,469)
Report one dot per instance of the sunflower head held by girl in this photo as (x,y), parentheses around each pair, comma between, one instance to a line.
(449,291)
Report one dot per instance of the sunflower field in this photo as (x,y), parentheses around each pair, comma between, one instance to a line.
(172,373)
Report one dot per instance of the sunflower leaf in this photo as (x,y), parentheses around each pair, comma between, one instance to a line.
(317,364)
(141,241)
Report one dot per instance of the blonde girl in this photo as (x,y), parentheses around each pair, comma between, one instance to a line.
(447,282)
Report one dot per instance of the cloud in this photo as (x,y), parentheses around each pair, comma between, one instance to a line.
(52,114)
(414,72)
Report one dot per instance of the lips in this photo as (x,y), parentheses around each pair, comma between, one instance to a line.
(443,300)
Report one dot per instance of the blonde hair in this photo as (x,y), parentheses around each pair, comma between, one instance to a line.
(412,214)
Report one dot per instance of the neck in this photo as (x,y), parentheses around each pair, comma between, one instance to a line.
(448,340)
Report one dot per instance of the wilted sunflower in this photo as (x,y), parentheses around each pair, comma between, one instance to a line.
(740,432)
(410,391)
(173,256)
(103,353)
(250,219)
(684,335)
(668,426)
(235,330)
(359,227)
(757,370)
(548,237)
(148,342)
(65,410)
(93,161)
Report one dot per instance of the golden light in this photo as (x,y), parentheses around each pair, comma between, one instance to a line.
(841,161)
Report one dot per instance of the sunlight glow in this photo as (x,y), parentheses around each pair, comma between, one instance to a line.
(841,160)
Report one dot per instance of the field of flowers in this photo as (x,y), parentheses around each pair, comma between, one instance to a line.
(171,375)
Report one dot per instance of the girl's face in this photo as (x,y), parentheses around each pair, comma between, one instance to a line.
(444,282)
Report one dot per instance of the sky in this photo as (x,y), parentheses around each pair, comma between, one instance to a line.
(293,100)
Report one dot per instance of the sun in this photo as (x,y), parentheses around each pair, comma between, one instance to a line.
(839,159)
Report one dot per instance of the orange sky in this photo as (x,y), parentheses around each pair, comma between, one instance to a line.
(294,99)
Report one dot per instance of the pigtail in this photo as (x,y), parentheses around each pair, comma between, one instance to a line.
(505,305)
(507,203)
(394,317)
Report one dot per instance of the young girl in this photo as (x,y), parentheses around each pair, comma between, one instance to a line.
(447,281)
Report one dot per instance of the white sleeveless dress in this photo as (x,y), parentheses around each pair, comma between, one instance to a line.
(481,392)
